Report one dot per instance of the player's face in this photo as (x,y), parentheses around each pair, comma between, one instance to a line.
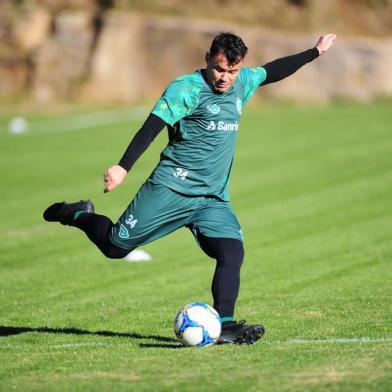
(220,73)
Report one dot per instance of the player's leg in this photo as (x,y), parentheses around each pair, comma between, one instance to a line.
(98,228)
(81,215)
(229,255)
(155,212)
(218,233)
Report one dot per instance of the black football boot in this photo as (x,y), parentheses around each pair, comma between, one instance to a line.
(237,332)
(64,212)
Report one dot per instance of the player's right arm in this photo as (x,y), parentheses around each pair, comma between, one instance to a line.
(178,101)
(116,174)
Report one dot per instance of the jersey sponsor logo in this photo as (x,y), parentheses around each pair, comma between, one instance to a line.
(238,103)
(123,233)
(214,109)
(211,126)
(180,173)
(223,126)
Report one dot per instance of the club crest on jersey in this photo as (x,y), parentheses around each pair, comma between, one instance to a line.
(124,234)
(214,109)
(238,103)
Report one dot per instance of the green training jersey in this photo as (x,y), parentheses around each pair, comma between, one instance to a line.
(203,127)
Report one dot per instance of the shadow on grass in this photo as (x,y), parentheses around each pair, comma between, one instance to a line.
(167,342)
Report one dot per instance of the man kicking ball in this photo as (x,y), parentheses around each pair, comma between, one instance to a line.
(189,186)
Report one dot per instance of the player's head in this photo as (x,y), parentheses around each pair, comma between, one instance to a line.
(224,60)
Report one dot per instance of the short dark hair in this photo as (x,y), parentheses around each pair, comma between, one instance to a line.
(230,45)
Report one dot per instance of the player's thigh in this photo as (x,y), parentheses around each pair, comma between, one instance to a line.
(154,212)
(229,252)
(216,219)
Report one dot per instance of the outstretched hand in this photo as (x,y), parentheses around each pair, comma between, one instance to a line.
(325,42)
(113,177)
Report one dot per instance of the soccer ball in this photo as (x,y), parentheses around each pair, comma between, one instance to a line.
(197,324)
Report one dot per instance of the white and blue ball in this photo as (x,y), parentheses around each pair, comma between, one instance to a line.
(197,324)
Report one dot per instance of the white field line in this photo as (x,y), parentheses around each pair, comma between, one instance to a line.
(360,340)
(82,121)
(340,340)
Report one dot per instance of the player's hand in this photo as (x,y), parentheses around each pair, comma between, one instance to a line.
(113,177)
(325,42)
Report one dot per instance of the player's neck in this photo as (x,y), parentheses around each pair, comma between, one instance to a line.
(204,75)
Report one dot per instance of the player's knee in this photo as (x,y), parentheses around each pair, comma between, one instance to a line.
(232,255)
(115,252)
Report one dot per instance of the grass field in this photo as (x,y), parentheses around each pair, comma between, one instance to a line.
(312,188)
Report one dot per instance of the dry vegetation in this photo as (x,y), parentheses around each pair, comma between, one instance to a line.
(364,17)
(349,17)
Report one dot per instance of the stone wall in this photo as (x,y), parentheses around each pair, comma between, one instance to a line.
(122,56)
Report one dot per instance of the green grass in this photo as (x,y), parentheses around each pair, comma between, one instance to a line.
(312,189)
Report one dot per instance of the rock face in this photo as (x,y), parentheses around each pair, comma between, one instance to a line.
(118,63)
(124,56)
(63,59)
(13,75)
(137,56)
(352,68)
(32,30)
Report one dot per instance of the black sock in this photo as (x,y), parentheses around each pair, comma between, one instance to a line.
(225,288)
(97,228)
(229,254)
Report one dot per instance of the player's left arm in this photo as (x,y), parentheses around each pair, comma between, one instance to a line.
(283,67)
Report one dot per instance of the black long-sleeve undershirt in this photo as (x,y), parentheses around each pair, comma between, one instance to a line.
(286,66)
(276,70)
(143,138)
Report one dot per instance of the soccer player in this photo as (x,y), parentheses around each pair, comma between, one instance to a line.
(189,186)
